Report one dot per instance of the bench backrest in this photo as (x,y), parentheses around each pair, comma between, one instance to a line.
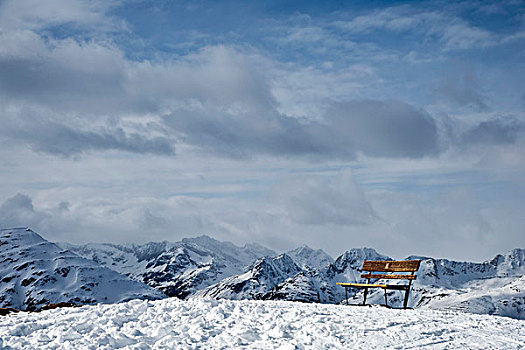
(390,266)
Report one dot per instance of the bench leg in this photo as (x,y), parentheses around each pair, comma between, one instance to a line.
(406,298)
(406,293)
(386,302)
(346,295)
(364,298)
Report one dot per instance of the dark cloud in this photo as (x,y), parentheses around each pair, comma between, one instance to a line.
(149,221)
(462,88)
(63,140)
(246,136)
(497,132)
(375,128)
(383,128)
(65,76)
(18,211)
(55,138)
(43,79)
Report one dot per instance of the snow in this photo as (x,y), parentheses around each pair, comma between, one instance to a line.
(226,324)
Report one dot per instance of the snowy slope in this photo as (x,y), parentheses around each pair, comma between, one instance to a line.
(225,324)
(178,269)
(35,272)
(504,297)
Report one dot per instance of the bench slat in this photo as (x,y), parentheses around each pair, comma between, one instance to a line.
(365,285)
(391,266)
(362,285)
(387,276)
(397,286)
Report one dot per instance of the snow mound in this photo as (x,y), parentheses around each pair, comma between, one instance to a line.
(226,324)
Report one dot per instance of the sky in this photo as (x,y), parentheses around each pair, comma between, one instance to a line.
(387,124)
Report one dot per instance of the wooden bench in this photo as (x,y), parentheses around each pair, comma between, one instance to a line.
(371,266)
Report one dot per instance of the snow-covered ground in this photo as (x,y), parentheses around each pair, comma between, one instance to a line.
(225,324)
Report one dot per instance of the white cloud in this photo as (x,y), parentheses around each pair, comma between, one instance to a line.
(307,92)
(453,220)
(452,31)
(399,207)
(313,200)
(35,14)
(460,35)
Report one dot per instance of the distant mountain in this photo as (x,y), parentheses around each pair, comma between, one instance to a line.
(259,279)
(178,269)
(495,287)
(318,285)
(35,272)
(281,278)
(306,257)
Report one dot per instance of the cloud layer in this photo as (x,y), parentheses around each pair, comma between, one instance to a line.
(215,101)
(83,93)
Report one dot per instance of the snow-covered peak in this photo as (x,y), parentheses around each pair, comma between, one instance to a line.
(512,262)
(149,251)
(203,266)
(275,267)
(304,256)
(207,242)
(354,258)
(22,235)
(260,278)
(36,272)
(240,255)
(258,249)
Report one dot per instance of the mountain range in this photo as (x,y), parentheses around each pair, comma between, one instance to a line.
(33,273)
(177,269)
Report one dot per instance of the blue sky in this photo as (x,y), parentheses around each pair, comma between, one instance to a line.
(395,125)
